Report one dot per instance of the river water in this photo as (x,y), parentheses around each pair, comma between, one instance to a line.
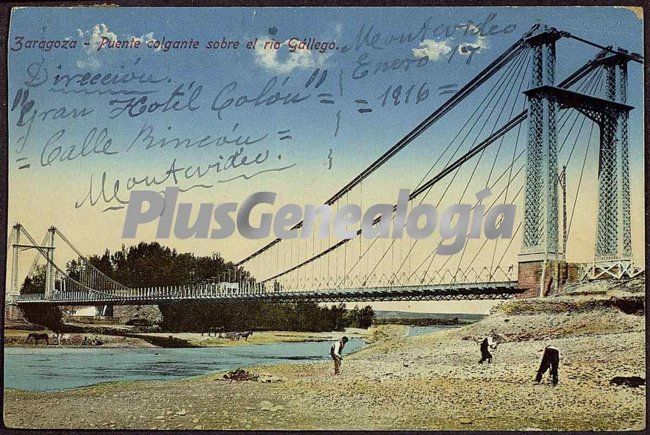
(58,368)
(53,368)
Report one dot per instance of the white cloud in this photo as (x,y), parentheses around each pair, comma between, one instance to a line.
(270,60)
(95,36)
(90,62)
(478,46)
(144,39)
(432,49)
(437,49)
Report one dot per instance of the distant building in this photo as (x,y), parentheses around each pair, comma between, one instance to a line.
(90,311)
(87,311)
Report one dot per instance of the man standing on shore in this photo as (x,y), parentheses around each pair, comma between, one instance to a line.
(487,344)
(551,358)
(335,353)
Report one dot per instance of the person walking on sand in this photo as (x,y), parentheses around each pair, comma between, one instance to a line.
(550,359)
(487,344)
(335,353)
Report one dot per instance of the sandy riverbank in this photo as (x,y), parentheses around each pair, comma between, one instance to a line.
(431,381)
(260,337)
(18,338)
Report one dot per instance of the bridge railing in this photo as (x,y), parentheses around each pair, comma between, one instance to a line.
(30,297)
(224,289)
(404,279)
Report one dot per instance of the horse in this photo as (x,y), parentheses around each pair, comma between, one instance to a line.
(244,335)
(37,337)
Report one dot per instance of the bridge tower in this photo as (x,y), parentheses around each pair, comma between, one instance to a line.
(50,271)
(14,262)
(613,253)
(12,312)
(542,265)
(47,251)
(540,253)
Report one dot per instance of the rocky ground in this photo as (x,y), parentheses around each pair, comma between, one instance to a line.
(431,381)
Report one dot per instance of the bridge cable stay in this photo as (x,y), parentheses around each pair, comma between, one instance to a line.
(64,275)
(569,81)
(565,115)
(96,272)
(346,194)
(413,195)
(521,82)
(450,144)
(585,70)
(634,57)
(456,98)
(503,192)
(576,76)
(595,89)
(503,87)
(507,187)
(37,257)
(494,201)
(589,86)
(581,88)
(582,169)
(573,78)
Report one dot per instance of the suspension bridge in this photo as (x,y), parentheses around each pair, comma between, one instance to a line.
(526,136)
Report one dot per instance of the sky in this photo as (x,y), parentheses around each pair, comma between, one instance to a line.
(335,112)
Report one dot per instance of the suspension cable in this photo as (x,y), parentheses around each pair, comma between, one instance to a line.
(64,238)
(505,85)
(456,98)
(569,81)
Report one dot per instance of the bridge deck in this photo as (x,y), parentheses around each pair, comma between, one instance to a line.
(464,291)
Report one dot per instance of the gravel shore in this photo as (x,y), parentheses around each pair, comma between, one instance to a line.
(431,381)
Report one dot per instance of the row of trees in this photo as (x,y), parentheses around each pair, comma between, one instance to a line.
(142,265)
(262,316)
(151,264)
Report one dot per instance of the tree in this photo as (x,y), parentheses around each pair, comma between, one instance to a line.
(365,317)
(337,317)
(360,318)
(36,283)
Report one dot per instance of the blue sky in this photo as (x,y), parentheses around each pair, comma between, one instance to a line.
(308,177)
(215,69)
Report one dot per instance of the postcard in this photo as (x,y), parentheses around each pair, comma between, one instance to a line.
(337,218)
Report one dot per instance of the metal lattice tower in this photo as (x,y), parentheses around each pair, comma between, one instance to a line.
(626,249)
(540,238)
(14,262)
(50,272)
(607,229)
(613,237)
(613,250)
